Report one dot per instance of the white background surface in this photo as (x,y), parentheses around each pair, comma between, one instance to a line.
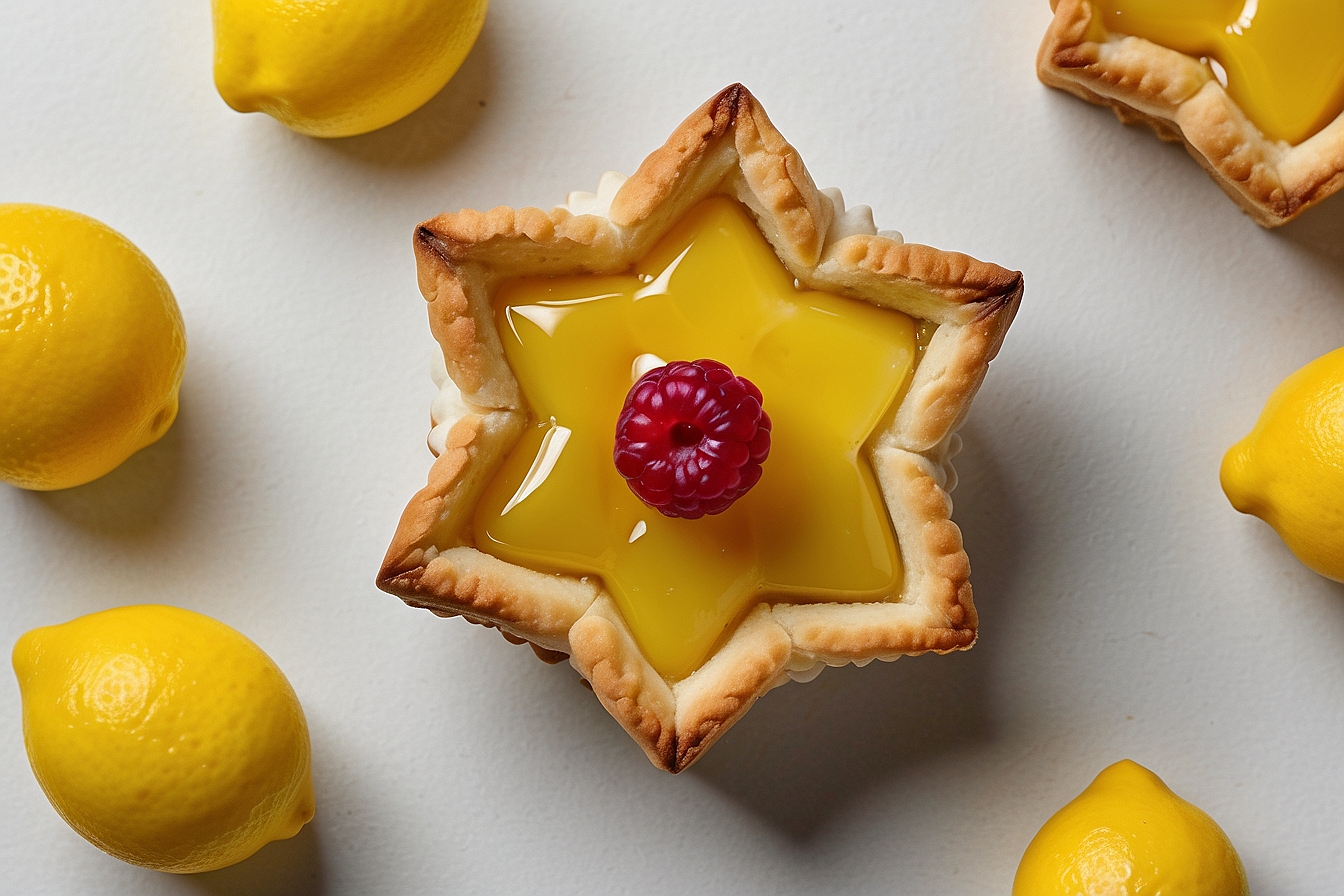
(1127,610)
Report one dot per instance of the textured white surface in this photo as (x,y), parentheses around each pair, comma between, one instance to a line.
(1126,609)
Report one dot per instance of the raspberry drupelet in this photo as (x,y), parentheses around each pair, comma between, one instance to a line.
(691,438)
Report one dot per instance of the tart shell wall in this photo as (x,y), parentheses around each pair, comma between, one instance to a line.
(728,146)
(1179,98)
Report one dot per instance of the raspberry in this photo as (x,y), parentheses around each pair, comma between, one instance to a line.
(691,438)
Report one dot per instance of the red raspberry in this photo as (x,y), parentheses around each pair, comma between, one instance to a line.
(691,438)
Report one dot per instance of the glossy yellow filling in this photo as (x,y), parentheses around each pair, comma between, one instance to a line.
(1282,61)
(813,528)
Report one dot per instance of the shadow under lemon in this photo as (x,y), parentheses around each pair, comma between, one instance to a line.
(132,499)
(290,867)
(428,133)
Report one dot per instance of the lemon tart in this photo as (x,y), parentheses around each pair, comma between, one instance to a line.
(1253,88)
(855,353)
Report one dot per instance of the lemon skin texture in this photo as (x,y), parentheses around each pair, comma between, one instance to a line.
(336,68)
(1127,834)
(1289,470)
(163,737)
(91,348)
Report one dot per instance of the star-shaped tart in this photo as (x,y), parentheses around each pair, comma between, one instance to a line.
(867,350)
(1277,152)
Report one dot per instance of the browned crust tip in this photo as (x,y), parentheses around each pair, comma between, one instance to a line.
(728,145)
(1178,97)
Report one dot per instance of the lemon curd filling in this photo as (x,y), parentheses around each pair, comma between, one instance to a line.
(814,527)
(1282,61)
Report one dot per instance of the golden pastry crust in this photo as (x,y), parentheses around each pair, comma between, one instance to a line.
(727,147)
(1179,98)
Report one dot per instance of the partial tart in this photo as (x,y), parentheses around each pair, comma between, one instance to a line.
(1276,154)
(725,186)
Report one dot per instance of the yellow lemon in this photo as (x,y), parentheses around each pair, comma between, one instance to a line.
(335,68)
(1290,470)
(1127,834)
(91,348)
(164,737)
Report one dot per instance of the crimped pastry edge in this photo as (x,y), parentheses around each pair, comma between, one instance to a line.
(1178,97)
(727,146)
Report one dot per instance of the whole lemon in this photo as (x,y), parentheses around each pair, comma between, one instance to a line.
(1127,834)
(91,348)
(1289,470)
(164,737)
(335,68)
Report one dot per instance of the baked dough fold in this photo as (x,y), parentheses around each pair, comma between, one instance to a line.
(728,146)
(1179,98)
